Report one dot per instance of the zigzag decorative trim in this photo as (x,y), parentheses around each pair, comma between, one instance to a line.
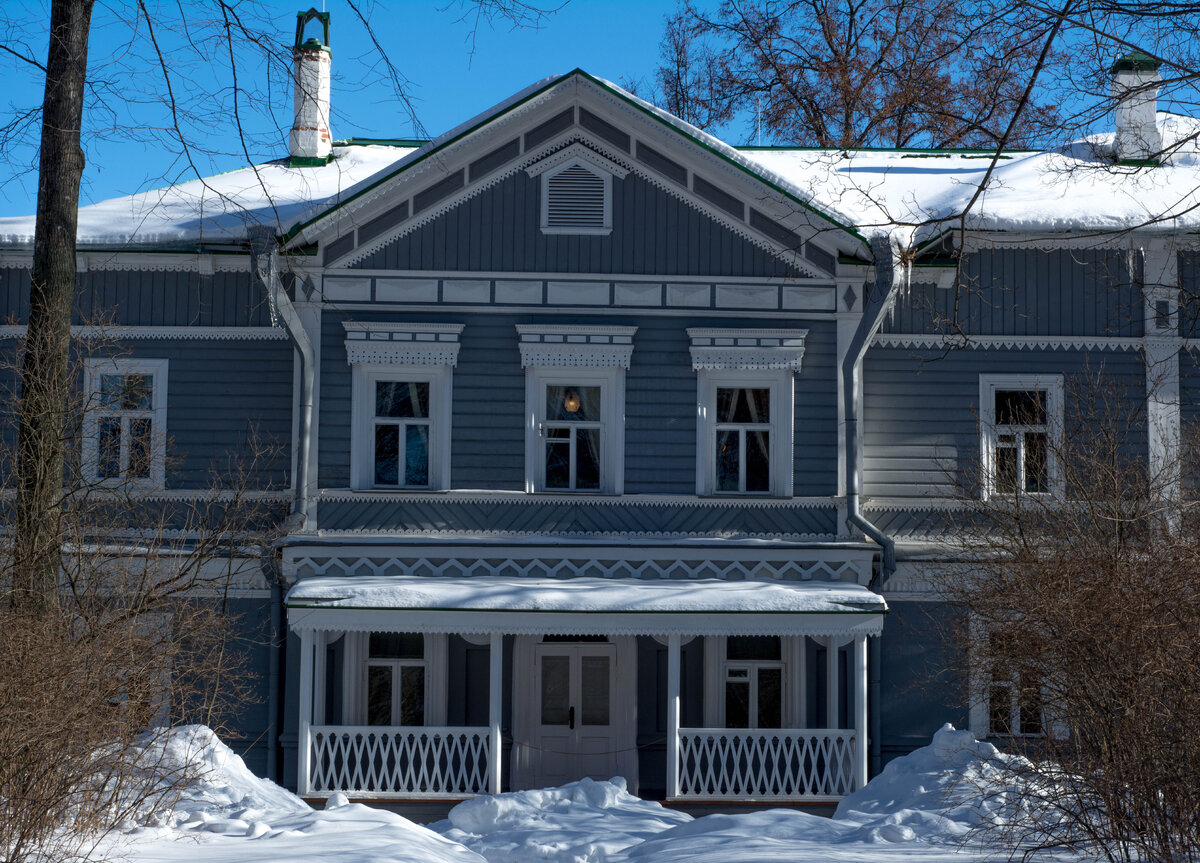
(1032,343)
(580,152)
(11,331)
(448,533)
(361,563)
(542,499)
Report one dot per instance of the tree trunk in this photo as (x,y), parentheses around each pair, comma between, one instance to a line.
(44,378)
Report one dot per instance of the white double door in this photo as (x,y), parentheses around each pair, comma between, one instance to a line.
(574,710)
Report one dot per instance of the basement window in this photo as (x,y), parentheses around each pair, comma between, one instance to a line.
(576,199)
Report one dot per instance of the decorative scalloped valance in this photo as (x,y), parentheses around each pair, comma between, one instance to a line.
(575,346)
(402,344)
(770,350)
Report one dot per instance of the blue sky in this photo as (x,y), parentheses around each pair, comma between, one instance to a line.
(430,43)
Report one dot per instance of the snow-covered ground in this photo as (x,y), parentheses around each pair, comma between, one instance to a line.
(919,809)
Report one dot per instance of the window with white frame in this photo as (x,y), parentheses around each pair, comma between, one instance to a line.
(125,424)
(754,682)
(1021,420)
(745,409)
(575,397)
(396,674)
(1008,692)
(401,404)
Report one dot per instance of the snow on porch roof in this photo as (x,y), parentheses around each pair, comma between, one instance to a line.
(578,606)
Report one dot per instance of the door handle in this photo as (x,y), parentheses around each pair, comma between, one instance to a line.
(571,717)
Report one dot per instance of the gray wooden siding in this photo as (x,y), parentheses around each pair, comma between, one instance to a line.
(920,408)
(149,298)
(488,447)
(218,392)
(1029,292)
(1189,294)
(653,232)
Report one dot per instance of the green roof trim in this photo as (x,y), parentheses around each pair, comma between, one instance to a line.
(309,161)
(297,228)
(966,152)
(1136,61)
(381,142)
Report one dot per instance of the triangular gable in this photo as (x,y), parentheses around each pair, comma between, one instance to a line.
(577,110)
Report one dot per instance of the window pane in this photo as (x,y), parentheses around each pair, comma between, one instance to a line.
(727,461)
(1000,710)
(758,461)
(139,448)
(402,399)
(127,392)
(1020,407)
(556,689)
(1030,709)
(379,695)
(387,456)
(587,458)
(109,448)
(1006,469)
(412,695)
(743,405)
(770,698)
(558,462)
(416,455)
(578,404)
(737,704)
(749,647)
(595,690)
(1037,473)
(397,645)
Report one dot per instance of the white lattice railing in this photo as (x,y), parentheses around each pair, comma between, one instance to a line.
(765,764)
(386,761)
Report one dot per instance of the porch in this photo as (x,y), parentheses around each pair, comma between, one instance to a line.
(564,678)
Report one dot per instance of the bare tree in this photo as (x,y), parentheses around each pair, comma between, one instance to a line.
(1082,609)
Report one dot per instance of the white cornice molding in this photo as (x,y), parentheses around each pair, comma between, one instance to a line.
(575,346)
(573,152)
(402,344)
(1030,343)
(93,333)
(724,349)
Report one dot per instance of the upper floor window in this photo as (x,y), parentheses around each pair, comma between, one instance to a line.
(745,409)
(1021,418)
(575,396)
(400,403)
(576,190)
(124,437)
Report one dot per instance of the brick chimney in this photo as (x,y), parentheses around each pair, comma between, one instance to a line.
(1135,82)
(310,142)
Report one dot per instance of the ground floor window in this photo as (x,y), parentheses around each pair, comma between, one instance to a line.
(753,682)
(396,671)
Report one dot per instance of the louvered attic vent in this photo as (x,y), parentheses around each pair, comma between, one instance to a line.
(576,201)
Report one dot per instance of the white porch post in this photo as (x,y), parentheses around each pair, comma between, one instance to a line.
(495,704)
(320,655)
(860,711)
(673,642)
(306,711)
(832,672)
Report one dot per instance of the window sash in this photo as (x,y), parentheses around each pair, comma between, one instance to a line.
(404,700)
(125,425)
(759,712)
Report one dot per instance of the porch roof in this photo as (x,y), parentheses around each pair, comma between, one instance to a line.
(584,606)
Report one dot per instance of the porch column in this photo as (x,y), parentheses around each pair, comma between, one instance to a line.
(495,704)
(832,672)
(306,711)
(860,711)
(673,716)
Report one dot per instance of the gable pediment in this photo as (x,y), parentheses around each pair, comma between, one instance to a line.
(584,123)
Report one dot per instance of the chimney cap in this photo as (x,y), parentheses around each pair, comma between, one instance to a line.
(302,19)
(1136,61)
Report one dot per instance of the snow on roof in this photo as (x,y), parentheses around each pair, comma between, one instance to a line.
(223,208)
(583,606)
(909,195)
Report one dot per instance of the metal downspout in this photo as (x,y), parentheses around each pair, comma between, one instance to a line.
(890,276)
(280,304)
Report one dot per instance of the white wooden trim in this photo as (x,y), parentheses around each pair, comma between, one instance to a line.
(320,676)
(495,709)
(743,350)
(354,694)
(860,711)
(362,412)
(304,746)
(1031,343)
(94,368)
(833,668)
(437,677)
(673,650)
(119,333)
(411,345)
